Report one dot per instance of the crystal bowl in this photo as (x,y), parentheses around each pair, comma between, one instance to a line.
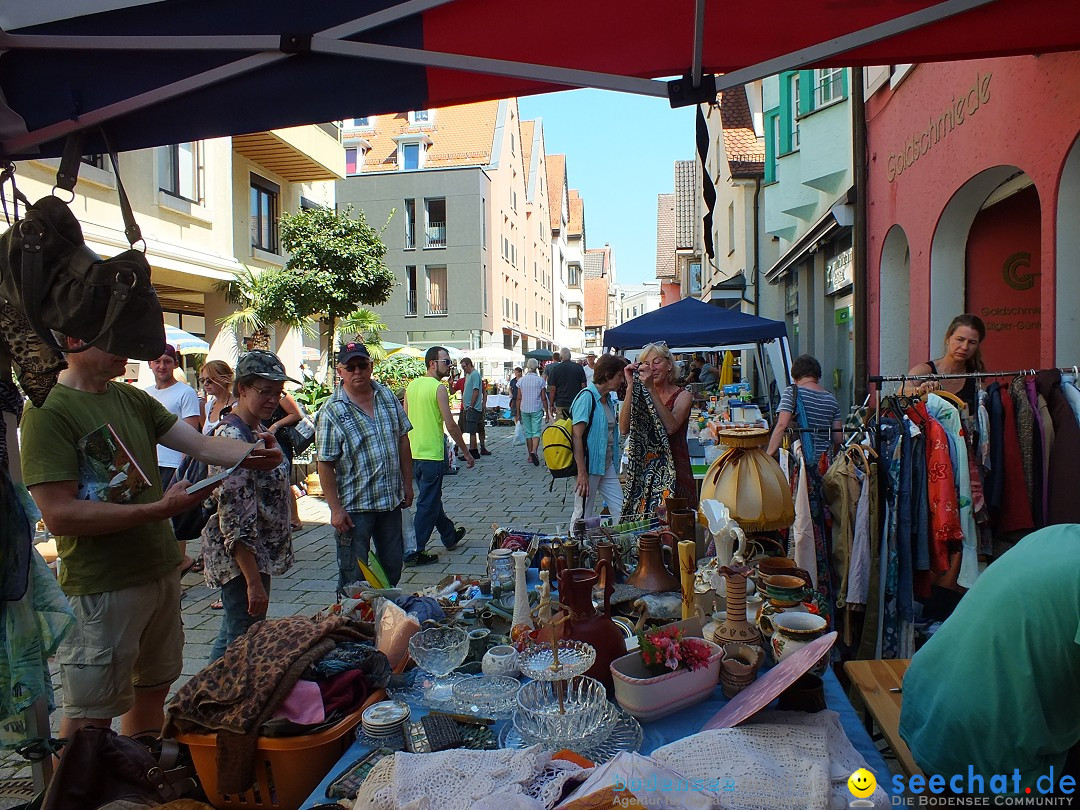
(583,707)
(488,696)
(439,650)
(537,660)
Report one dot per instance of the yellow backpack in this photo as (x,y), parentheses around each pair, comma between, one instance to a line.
(557,441)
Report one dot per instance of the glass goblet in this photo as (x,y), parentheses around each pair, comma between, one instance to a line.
(439,650)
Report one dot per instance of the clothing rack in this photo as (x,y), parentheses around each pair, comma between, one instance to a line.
(1024,372)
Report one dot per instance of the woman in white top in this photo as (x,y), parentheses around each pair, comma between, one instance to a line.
(216,379)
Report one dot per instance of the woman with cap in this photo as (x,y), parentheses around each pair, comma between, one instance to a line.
(249,538)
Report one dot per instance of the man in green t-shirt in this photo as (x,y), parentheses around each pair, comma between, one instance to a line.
(995,689)
(89,460)
(427,405)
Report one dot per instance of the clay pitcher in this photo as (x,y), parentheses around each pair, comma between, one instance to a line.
(586,623)
(651,574)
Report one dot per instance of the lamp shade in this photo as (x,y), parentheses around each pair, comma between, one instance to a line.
(750,483)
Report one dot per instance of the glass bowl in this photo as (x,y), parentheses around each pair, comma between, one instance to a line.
(537,661)
(487,695)
(584,704)
(439,650)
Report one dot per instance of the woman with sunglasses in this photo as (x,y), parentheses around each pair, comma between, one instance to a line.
(248,539)
(655,371)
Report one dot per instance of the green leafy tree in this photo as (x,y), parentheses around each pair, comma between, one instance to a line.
(366,327)
(398,370)
(338,262)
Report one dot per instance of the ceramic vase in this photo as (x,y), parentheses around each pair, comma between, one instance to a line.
(648,696)
(522,621)
(586,623)
(790,632)
(739,667)
(500,660)
(735,626)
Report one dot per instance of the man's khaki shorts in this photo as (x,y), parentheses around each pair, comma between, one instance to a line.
(123,639)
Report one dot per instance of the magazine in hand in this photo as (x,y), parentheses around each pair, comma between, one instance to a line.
(213,480)
(107,470)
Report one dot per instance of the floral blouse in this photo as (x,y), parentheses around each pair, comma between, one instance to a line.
(252,508)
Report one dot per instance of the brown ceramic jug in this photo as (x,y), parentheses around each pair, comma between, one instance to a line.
(586,623)
(651,573)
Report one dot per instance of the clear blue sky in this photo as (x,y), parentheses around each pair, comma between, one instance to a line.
(620,153)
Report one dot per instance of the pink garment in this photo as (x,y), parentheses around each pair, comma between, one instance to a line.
(304,704)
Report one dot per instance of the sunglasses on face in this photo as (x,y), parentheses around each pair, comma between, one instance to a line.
(358,365)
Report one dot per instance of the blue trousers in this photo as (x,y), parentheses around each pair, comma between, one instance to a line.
(235,619)
(382,527)
(429,509)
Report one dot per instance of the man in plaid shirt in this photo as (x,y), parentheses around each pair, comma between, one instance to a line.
(365,467)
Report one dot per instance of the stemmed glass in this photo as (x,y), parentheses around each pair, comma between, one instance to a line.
(439,650)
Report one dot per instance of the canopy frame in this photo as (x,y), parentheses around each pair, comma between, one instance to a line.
(696,87)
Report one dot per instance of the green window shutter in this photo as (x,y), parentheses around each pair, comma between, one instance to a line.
(785,112)
(771,119)
(807,87)
(844,82)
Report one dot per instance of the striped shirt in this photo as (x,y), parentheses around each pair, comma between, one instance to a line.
(363,449)
(821,409)
(530,388)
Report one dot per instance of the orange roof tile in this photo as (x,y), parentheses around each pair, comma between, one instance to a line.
(744,149)
(460,136)
(665,236)
(556,179)
(576,227)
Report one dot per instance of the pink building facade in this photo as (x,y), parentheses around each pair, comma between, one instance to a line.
(973,189)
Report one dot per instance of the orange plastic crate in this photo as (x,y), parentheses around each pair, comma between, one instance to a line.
(287,769)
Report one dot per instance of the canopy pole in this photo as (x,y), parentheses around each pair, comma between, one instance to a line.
(699,42)
(817,54)
(570,77)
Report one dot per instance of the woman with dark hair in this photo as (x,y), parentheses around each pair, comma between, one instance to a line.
(815,411)
(597,444)
(963,355)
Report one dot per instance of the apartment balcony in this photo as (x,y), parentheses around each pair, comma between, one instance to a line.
(298,154)
(436,235)
(437,308)
(574,323)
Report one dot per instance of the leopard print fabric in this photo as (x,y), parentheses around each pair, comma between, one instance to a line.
(37,364)
(650,470)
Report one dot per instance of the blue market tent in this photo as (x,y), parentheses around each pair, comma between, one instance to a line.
(691,322)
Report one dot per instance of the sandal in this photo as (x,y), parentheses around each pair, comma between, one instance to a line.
(216,605)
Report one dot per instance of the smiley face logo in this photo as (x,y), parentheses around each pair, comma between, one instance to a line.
(861,783)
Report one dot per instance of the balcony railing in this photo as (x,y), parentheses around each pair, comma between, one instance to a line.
(436,234)
(436,308)
(410,303)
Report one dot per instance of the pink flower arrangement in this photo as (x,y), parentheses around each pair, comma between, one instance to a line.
(666,647)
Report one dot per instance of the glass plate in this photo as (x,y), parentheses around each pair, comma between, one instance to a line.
(486,695)
(622,733)
(413,687)
(575,657)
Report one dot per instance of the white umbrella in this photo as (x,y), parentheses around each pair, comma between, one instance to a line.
(495,354)
(185,342)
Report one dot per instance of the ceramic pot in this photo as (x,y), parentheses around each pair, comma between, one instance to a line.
(586,623)
(739,667)
(791,632)
(735,626)
(501,660)
(648,696)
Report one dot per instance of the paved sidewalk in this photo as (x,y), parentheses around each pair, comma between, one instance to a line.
(501,488)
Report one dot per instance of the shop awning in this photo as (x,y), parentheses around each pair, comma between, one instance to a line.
(691,322)
(180,70)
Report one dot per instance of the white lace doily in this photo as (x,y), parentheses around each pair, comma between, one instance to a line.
(782,760)
(470,780)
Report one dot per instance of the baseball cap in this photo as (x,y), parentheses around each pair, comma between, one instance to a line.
(350,350)
(168,350)
(261,363)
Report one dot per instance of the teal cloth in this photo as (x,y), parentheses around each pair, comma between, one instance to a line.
(472,384)
(586,402)
(995,688)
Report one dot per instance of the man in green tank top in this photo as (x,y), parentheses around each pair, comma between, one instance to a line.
(427,405)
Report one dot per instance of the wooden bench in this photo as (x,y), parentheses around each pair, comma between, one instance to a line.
(873,681)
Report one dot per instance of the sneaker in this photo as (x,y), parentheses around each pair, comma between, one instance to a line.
(421,558)
(484,451)
(459,535)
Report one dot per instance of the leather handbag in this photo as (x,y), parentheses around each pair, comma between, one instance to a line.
(100,766)
(62,285)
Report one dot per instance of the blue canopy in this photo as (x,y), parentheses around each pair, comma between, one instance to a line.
(691,322)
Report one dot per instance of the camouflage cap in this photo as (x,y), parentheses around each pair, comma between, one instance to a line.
(261,363)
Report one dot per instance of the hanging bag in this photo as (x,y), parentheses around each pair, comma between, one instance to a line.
(62,285)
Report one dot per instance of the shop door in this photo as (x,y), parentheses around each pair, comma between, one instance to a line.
(839,379)
(1003,280)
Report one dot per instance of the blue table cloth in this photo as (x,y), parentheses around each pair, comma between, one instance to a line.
(682,724)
